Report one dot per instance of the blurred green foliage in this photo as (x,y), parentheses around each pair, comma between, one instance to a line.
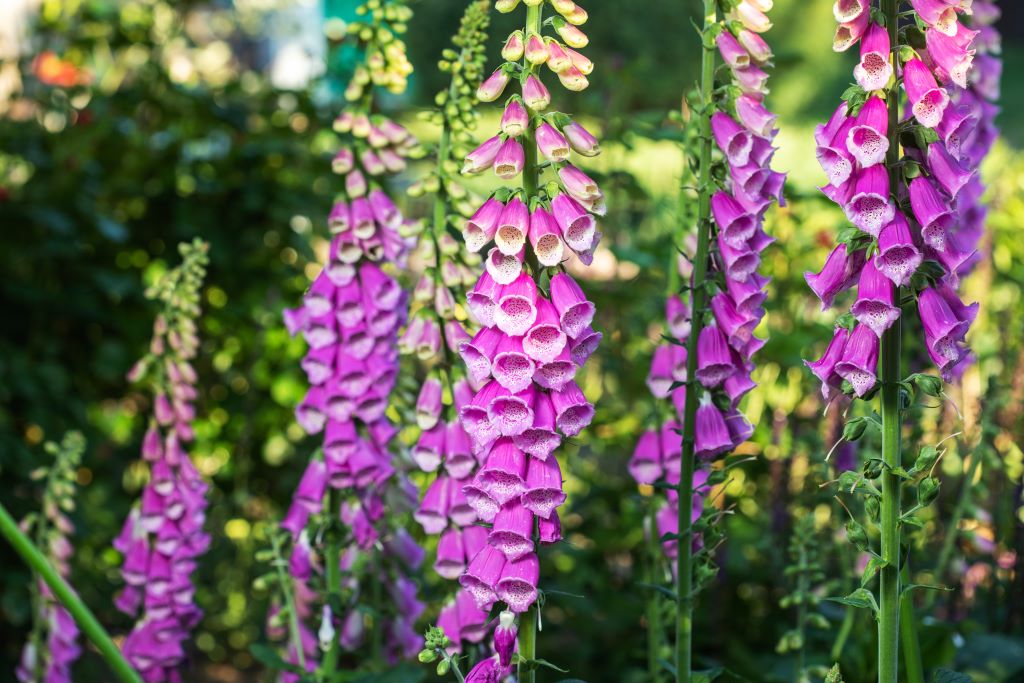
(175,137)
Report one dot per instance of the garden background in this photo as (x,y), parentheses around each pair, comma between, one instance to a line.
(196,121)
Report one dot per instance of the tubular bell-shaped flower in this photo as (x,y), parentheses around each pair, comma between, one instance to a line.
(350,318)
(163,536)
(913,193)
(444,447)
(535,329)
(709,362)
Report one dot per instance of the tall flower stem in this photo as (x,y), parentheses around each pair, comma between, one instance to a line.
(531,175)
(287,589)
(83,616)
(698,297)
(332,558)
(889,594)
(912,661)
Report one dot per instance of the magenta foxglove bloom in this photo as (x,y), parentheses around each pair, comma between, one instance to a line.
(725,345)
(163,536)
(945,218)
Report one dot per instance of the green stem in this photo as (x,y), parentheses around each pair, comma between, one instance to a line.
(908,632)
(67,597)
(528,643)
(654,578)
(332,558)
(845,629)
(531,180)
(289,600)
(889,592)
(698,296)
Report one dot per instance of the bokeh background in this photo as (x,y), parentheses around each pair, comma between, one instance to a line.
(127,126)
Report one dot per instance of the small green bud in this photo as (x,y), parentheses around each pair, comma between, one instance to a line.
(427,656)
(855,428)
(443,666)
(927,490)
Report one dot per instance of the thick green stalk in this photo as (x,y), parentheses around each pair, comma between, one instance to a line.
(529,621)
(698,300)
(912,661)
(67,597)
(892,423)
(332,558)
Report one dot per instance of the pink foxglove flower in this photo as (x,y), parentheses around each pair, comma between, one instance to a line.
(743,134)
(163,536)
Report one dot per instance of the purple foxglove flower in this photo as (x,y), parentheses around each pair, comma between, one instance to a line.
(932,211)
(581,140)
(540,439)
(478,352)
(516,306)
(505,637)
(514,120)
(928,101)
(429,448)
(874,306)
(849,32)
(551,143)
(545,340)
(751,80)
(951,55)
(512,532)
(732,52)
(517,586)
(732,138)
(483,157)
(459,461)
(455,335)
(578,184)
(543,487)
(428,405)
(874,70)
(754,116)
(578,227)
(736,226)
(514,47)
(512,226)
(825,367)
(946,321)
(339,219)
(546,238)
(355,184)
(938,14)
(572,410)
(755,45)
(859,361)
(451,555)
(646,464)
(482,225)
(372,163)
(536,50)
(535,95)
(503,473)
(714,360)
(550,530)
(503,268)
(677,313)
(556,373)
(712,437)
(752,17)
(492,88)
(871,208)
(837,275)
(661,377)
(740,263)
(849,10)
(510,159)
(949,173)
(511,414)
(868,141)
(575,312)
(511,367)
(432,514)
(584,345)
(486,671)
(474,416)
(482,576)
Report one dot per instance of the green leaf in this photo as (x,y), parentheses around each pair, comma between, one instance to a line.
(874,565)
(943,675)
(914,586)
(269,656)
(707,675)
(668,593)
(861,598)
